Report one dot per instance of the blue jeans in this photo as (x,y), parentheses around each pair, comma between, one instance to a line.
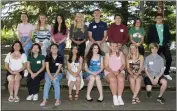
(56,84)
(28,45)
(61,48)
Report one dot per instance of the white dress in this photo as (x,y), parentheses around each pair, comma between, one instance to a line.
(70,77)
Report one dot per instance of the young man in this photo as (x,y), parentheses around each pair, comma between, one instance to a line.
(97,33)
(154,69)
(118,32)
(159,33)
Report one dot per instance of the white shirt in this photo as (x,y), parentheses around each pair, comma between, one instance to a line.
(15,64)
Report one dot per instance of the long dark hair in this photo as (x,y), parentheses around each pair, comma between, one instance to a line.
(71,55)
(50,53)
(39,47)
(90,53)
(134,22)
(63,26)
(21,47)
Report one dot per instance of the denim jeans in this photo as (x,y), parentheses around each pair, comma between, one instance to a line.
(28,45)
(61,48)
(56,84)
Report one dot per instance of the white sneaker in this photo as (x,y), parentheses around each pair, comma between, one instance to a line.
(120,101)
(115,101)
(25,73)
(168,77)
(30,97)
(35,97)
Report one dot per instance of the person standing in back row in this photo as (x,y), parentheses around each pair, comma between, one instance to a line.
(97,33)
(79,33)
(118,32)
(159,33)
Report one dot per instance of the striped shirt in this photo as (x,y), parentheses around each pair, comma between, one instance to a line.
(41,35)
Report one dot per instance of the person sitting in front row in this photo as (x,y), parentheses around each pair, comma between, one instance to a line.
(154,69)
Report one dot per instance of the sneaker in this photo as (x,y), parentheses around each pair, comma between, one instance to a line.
(25,73)
(120,101)
(30,97)
(35,97)
(115,101)
(161,100)
(11,99)
(149,95)
(16,99)
(168,77)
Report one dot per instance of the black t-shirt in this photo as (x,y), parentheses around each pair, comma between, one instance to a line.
(53,64)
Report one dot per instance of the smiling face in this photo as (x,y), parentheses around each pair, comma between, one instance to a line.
(75,50)
(42,18)
(97,14)
(59,19)
(35,49)
(24,18)
(113,47)
(154,50)
(95,49)
(118,19)
(137,23)
(133,49)
(16,47)
(159,19)
(54,49)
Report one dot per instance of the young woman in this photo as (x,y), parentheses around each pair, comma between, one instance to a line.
(59,34)
(35,66)
(15,63)
(94,68)
(74,73)
(53,75)
(114,72)
(136,34)
(79,33)
(25,33)
(134,67)
(42,34)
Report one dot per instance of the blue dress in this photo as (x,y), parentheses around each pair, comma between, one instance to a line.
(94,67)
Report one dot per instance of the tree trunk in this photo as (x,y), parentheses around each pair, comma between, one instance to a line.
(160,7)
(124,10)
(142,9)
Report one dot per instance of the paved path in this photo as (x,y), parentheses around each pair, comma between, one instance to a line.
(82,104)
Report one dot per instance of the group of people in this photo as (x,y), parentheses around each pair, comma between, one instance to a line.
(44,59)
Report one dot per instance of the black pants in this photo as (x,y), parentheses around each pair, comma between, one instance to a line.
(141,50)
(167,54)
(81,48)
(34,84)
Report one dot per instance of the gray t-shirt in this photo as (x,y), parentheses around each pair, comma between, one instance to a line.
(154,65)
(77,33)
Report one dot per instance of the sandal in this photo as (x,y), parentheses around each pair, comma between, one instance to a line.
(43,103)
(11,99)
(57,103)
(16,99)
(137,100)
(70,97)
(76,97)
(133,101)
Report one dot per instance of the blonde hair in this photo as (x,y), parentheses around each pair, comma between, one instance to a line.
(152,45)
(82,22)
(117,52)
(39,23)
(130,54)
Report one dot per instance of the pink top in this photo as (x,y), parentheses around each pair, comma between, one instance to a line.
(59,36)
(114,63)
(24,29)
